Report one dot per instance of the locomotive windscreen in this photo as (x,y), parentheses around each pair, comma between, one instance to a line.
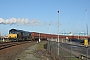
(13,31)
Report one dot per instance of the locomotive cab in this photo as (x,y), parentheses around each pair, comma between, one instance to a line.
(19,35)
(12,35)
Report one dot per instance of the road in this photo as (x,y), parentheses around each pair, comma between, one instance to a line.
(76,49)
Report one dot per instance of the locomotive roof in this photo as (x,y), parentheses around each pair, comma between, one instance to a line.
(17,30)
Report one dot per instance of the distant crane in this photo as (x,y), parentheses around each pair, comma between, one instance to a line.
(80,33)
(65,33)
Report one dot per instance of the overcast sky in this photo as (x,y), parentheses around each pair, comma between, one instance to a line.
(42,15)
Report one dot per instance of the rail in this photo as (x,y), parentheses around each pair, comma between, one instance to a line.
(11,44)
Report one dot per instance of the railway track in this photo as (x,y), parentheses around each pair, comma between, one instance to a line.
(9,51)
(11,44)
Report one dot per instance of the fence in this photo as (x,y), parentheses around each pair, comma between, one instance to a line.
(68,50)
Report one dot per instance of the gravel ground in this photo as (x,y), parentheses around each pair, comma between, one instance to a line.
(11,52)
(35,52)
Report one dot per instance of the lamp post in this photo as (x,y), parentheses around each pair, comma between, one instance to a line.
(86,41)
(58,26)
(58,33)
(86,22)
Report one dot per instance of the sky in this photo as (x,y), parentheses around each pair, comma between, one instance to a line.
(42,16)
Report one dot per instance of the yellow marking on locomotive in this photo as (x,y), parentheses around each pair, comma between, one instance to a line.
(12,35)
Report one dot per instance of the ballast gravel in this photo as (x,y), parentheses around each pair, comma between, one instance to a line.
(34,53)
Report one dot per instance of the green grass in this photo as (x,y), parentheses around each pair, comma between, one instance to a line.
(41,45)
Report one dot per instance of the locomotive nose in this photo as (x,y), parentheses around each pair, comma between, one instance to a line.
(12,35)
